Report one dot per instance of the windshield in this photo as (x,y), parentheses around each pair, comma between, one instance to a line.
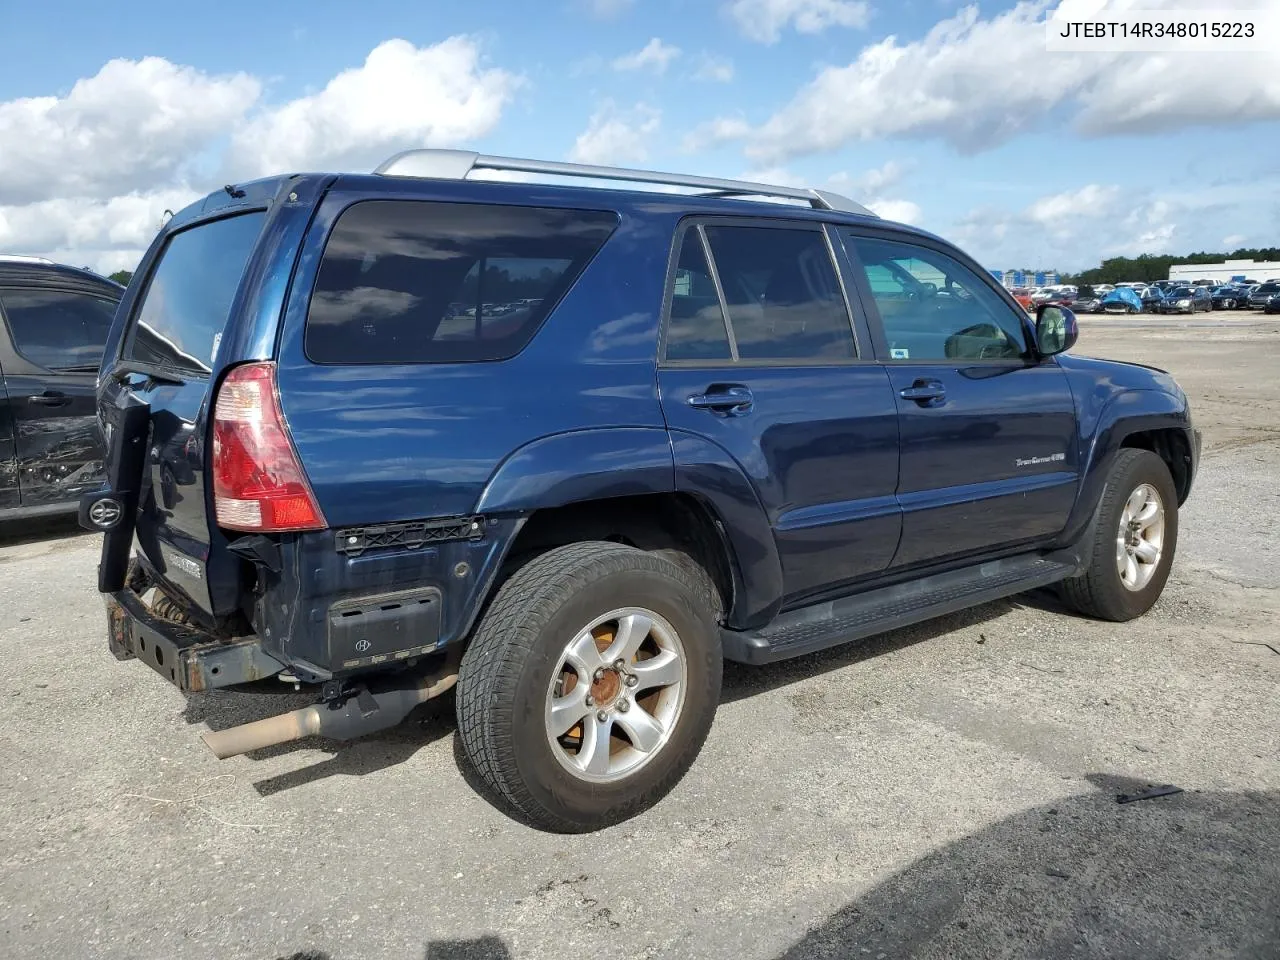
(180,319)
(1182,292)
(1269,288)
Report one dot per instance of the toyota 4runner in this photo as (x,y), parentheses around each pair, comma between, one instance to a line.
(571,446)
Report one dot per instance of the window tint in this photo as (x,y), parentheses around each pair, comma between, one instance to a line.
(935,308)
(58,330)
(188,297)
(782,293)
(424,282)
(696,330)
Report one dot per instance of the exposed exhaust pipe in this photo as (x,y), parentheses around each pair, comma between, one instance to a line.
(368,712)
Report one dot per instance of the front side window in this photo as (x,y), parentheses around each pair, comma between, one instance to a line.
(782,295)
(58,330)
(412,281)
(933,307)
(187,302)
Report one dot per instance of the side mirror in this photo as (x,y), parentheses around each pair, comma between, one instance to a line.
(1056,330)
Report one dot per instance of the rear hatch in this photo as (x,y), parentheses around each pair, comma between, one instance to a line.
(167,360)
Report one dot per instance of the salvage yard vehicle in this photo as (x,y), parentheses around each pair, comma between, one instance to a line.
(1263,292)
(1187,300)
(53,325)
(1122,300)
(715,425)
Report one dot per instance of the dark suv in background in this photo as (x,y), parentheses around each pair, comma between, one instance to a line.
(572,447)
(54,321)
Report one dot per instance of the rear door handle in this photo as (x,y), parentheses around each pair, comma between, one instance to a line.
(734,400)
(927,393)
(50,398)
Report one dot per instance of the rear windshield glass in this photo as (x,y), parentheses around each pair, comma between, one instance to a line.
(423,282)
(188,298)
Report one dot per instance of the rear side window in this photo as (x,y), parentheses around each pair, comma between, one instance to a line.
(187,301)
(781,300)
(58,330)
(696,330)
(782,294)
(424,282)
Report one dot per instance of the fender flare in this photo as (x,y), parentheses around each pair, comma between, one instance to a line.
(1126,413)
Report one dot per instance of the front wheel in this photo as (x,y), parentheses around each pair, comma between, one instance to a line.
(591,684)
(1133,541)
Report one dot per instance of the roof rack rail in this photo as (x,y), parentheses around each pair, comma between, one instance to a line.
(458,164)
(17,258)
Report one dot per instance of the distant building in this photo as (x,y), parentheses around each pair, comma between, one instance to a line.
(1226,271)
(1013,279)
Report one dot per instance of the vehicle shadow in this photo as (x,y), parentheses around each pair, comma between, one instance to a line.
(435,719)
(481,948)
(14,533)
(1196,874)
(219,710)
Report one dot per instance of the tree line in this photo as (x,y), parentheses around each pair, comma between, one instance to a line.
(1150,267)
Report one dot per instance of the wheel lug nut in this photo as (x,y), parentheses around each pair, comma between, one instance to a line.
(632,680)
(619,664)
(602,715)
(623,706)
(590,700)
(598,675)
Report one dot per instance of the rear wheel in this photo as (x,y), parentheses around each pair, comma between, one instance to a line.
(591,684)
(1133,541)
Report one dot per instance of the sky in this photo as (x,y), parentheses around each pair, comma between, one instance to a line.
(947,115)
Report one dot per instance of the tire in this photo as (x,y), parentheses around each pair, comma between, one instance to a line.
(516,664)
(1100,591)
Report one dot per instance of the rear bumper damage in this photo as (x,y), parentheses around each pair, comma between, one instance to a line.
(190,659)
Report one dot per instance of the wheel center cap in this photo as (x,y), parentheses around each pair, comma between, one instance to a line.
(604,690)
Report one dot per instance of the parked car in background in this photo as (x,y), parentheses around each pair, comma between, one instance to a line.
(1023,296)
(716,437)
(1229,297)
(1188,300)
(54,321)
(1102,289)
(1087,301)
(1153,300)
(1122,300)
(1263,292)
(1273,304)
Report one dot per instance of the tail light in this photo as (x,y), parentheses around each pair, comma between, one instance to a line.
(258,483)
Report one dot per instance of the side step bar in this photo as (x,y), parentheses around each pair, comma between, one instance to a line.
(836,622)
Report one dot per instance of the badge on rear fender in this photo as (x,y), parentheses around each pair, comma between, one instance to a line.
(180,562)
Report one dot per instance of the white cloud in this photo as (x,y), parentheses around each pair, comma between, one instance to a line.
(615,136)
(105,234)
(764,20)
(132,124)
(715,69)
(1235,241)
(774,177)
(654,55)
(85,177)
(903,211)
(401,97)
(1075,229)
(715,132)
(978,82)
(871,181)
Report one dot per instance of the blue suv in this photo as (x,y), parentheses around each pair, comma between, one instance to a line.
(569,447)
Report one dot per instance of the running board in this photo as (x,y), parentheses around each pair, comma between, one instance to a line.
(822,625)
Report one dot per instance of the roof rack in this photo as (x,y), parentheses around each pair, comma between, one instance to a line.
(16,258)
(458,164)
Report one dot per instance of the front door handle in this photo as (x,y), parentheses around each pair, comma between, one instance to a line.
(50,398)
(732,400)
(927,393)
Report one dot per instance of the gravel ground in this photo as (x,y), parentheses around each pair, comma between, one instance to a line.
(946,790)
